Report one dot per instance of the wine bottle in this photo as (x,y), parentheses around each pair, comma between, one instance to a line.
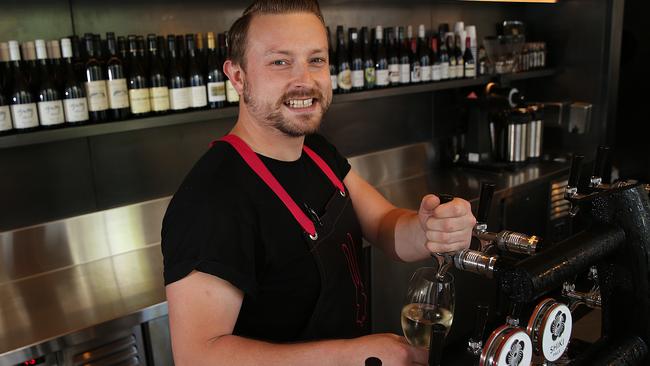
(436,68)
(158,91)
(116,84)
(393,57)
(232,97)
(382,60)
(75,104)
(201,53)
(54,58)
(416,73)
(137,81)
(424,55)
(5,66)
(216,78)
(445,66)
(95,83)
(50,107)
(460,70)
(142,52)
(100,50)
(198,92)
(6,125)
(356,61)
(179,96)
(30,68)
(404,57)
(5,114)
(468,58)
(451,52)
(482,61)
(23,107)
(369,71)
(343,62)
(332,64)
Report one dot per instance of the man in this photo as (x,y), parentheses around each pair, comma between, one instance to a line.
(261,242)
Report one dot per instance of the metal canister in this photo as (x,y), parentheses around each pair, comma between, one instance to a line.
(534,133)
(516,135)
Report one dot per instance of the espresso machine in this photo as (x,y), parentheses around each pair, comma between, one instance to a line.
(503,131)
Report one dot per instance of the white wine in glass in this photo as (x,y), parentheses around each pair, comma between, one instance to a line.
(429,301)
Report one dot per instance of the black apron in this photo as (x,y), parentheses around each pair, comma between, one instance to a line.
(335,242)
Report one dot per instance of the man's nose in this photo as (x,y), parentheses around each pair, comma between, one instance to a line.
(302,74)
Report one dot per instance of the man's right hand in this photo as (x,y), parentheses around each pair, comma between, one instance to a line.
(391,349)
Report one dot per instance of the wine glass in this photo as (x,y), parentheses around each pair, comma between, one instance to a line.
(429,300)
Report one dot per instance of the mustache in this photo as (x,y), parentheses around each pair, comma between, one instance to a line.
(298,94)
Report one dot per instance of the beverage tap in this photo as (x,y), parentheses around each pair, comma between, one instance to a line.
(505,240)
(596,180)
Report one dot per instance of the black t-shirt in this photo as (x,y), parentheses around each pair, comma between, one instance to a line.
(225,221)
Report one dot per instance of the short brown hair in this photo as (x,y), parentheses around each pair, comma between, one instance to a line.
(238,33)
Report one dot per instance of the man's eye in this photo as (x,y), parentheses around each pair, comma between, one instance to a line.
(318,60)
(280,62)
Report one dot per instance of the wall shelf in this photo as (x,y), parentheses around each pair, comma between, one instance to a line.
(72,132)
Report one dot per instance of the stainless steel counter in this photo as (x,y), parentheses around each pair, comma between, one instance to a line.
(60,282)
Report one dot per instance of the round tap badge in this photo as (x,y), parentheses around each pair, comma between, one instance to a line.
(550,329)
(507,346)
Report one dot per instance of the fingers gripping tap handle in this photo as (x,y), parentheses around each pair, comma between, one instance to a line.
(447,259)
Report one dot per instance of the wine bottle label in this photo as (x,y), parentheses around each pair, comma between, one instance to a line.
(97,95)
(140,100)
(452,68)
(231,93)
(382,77)
(5,118)
(470,70)
(159,98)
(76,110)
(118,94)
(179,98)
(393,73)
(345,80)
(370,76)
(199,96)
(335,84)
(436,72)
(404,73)
(460,70)
(51,113)
(444,71)
(24,115)
(217,91)
(425,73)
(416,74)
(357,79)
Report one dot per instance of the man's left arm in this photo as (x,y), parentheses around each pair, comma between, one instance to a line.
(407,235)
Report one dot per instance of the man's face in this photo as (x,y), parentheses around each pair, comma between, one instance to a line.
(287,83)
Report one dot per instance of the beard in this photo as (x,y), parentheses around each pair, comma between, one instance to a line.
(272,114)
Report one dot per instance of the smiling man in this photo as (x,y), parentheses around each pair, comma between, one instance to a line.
(262,241)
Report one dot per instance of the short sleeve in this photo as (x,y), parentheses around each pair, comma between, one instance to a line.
(214,238)
(330,154)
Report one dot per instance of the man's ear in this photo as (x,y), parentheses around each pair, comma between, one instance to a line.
(236,75)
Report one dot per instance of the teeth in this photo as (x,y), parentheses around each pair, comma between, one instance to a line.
(300,103)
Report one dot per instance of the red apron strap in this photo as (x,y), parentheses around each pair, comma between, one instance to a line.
(325,168)
(263,172)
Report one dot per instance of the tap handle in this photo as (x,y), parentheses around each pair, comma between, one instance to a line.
(601,161)
(485,201)
(480,321)
(444,198)
(574,173)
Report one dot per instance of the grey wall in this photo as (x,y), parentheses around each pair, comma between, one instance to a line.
(50,181)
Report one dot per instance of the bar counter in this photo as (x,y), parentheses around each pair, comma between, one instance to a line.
(43,312)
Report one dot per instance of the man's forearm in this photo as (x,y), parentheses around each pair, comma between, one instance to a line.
(401,236)
(235,350)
